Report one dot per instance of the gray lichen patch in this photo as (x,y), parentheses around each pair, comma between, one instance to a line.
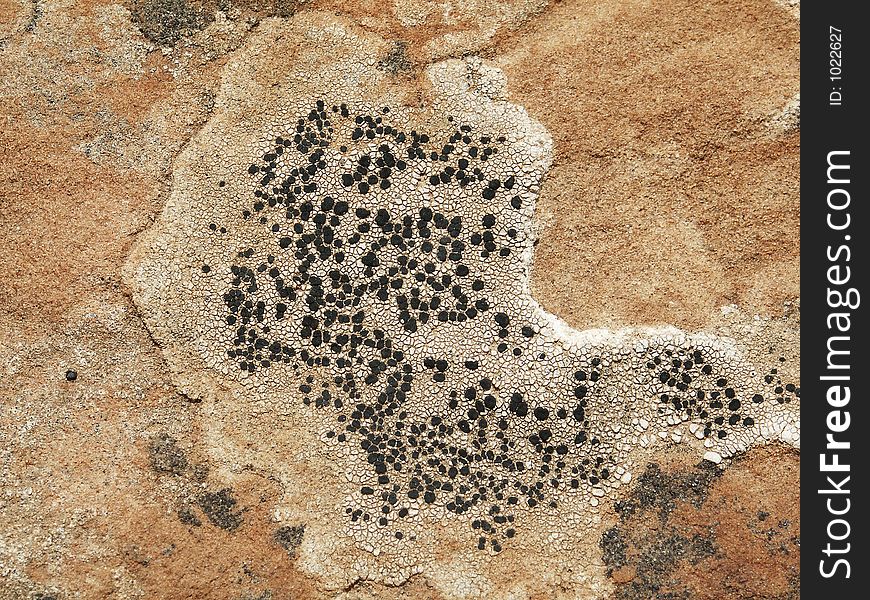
(342,274)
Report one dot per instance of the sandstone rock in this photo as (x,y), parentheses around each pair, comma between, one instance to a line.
(672,192)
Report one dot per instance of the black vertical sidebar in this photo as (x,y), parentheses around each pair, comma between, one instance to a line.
(835,462)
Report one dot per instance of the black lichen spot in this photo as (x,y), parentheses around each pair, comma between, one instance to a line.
(290,537)
(219,507)
(166,456)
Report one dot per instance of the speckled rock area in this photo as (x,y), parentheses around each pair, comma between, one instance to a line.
(417,300)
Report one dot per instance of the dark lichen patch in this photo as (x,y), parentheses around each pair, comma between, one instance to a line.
(779,537)
(689,534)
(652,552)
(794,591)
(166,456)
(613,547)
(396,60)
(655,563)
(290,537)
(656,489)
(188,517)
(265,8)
(35,16)
(220,508)
(164,22)
(199,472)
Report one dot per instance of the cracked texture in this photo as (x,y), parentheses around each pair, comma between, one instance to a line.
(356,272)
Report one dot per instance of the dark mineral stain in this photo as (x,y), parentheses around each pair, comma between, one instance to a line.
(219,507)
(166,456)
(290,537)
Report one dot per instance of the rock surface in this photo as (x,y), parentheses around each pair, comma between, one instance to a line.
(672,192)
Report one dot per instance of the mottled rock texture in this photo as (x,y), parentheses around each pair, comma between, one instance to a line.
(673,192)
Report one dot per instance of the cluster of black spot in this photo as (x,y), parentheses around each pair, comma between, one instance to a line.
(690,387)
(351,253)
(783,393)
(345,255)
